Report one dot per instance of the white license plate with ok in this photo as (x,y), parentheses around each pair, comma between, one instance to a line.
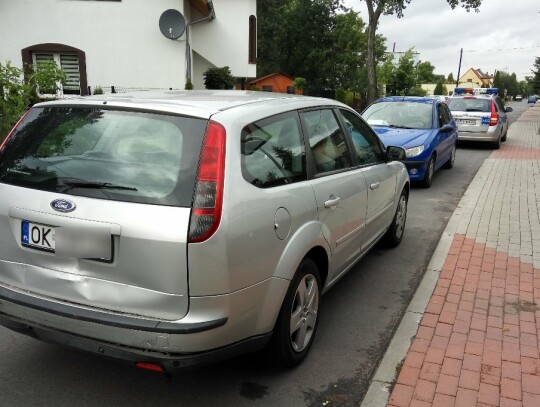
(37,235)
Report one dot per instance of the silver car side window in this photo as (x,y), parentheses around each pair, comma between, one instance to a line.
(272,151)
(326,141)
(366,144)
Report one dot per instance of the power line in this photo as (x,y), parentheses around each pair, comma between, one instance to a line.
(502,49)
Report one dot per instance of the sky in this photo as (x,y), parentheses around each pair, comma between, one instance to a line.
(503,36)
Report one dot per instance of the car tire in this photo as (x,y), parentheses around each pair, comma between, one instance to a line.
(497,144)
(300,308)
(395,232)
(430,170)
(450,163)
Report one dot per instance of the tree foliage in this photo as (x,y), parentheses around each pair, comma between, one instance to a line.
(439,89)
(393,7)
(507,84)
(401,79)
(18,91)
(14,97)
(534,81)
(425,72)
(319,40)
(46,78)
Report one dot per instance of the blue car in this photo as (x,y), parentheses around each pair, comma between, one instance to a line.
(423,126)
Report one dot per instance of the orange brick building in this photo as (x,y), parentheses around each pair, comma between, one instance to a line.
(275,82)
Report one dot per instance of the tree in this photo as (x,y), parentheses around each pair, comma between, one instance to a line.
(425,72)
(450,78)
(534,81)
(439,89)
(269,27)
(389,7)
(386,75)
(218,78)
(401,78)
(507,84)
(319,40)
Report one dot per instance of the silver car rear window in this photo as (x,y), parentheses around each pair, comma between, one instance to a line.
(469,105)
(108,154)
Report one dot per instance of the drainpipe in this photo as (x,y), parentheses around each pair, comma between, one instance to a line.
(210,17)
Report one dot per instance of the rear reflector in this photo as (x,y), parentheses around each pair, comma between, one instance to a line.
(208,197)
(150,366)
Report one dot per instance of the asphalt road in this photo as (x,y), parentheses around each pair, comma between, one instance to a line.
(358,318)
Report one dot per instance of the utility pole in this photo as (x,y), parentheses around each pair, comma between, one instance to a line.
(459,68)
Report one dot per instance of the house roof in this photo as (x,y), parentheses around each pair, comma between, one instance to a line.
(482,76)
(271,75)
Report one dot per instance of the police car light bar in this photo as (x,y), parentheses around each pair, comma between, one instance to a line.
(476,91)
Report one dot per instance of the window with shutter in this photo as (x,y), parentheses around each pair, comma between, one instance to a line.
(69,63)
(72,61)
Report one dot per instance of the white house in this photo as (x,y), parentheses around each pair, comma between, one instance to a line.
(119,42)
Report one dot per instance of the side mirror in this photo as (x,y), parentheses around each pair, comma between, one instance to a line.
(447,127)
(508,109)
(394,153)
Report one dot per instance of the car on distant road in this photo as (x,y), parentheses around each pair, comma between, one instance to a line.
(518,98)
(481,117)
(532,99)
(423,126)
(176,229)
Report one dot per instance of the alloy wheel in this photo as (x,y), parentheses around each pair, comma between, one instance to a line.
(304,313)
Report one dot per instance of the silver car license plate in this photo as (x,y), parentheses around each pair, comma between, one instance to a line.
(37,235)
(466,121)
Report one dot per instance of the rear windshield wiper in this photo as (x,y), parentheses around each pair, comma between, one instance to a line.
(91,184)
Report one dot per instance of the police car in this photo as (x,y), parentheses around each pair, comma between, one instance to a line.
(480,115)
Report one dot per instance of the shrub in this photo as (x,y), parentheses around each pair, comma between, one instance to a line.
(189,85)
(98,90)
(14,97)
(45,78)
(218,78)
(341,95)
(299,83)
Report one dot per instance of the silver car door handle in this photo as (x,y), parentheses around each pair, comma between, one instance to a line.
(375,185)
(332,203)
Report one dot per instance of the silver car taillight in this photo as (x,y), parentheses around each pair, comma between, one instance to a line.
(208,199)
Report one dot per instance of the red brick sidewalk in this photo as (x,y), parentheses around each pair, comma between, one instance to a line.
(477,343)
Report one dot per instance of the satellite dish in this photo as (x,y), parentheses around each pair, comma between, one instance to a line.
(172,24)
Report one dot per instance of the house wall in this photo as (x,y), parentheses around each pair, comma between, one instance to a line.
(470,80)
(279,83)
(430,88)
(122,42)
(224,41)
(200,65)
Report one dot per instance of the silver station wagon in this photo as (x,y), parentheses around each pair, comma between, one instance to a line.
(176,229)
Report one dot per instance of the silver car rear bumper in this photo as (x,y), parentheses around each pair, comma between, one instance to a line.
(215,328)
(170,362)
